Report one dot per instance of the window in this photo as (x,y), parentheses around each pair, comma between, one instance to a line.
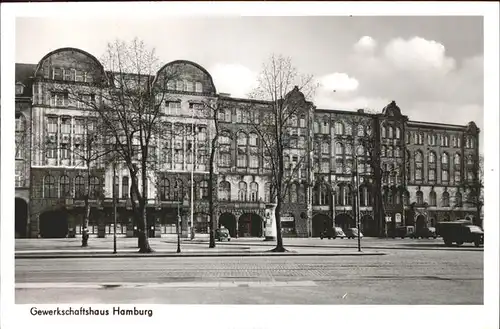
(361,130)
(179,85)
(174,108)
(164,189)
(398,133)
(79,187)
(339,128)
(203,190)
(420,197)
(432,199)
(407,138)
(325,127)
(432,157)
(241,159)
(302,121)
(432,175)
(198,87)
(383,132)
(178,191)
(316,127)
(470,176)
(293,120)
(348,129)
(64,151)
(69,74)
(225,159)
(57,73)
(64,186)
(94,188)
(389,132)
(360,150)
(50,190)
(293,193)
(456,159)
(446,199)
(59,99)
(20,122)
(458,177)
(339,149)
(188,86)
(224,191)
(19,174)
(339,166)
(79,76)
(325,148)
(242,191)
(301,142)
(51,150)
(418,165)
(253,139)
(446,141)
(254,192)
(125,188)
(444,159)
(348,149)
(325,166)
(383,151)
(389,151)
(254,161)
(397,152)
(444,175)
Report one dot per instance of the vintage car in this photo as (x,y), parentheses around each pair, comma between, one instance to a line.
(404,232)
(222,234)
(460,232)
(352,233)
(333,233)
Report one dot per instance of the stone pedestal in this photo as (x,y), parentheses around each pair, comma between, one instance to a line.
(270,218)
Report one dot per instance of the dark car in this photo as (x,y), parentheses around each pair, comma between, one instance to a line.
(352,233)
(425,233)
(222,234)
(460,232)
(333,233)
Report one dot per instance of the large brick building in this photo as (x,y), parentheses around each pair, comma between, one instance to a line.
(425,162)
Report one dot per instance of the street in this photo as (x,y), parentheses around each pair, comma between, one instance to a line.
(401,276)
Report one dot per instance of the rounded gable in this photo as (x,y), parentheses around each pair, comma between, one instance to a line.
(187,76)
(70,64)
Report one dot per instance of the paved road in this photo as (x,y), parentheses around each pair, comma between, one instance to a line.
(400,277)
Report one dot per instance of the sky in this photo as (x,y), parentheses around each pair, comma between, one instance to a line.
(431,66)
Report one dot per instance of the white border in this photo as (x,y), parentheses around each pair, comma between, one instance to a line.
(262,316)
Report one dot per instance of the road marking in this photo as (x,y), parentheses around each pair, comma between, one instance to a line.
(121,285)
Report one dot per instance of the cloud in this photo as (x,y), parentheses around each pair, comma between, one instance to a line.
(427,83)
(365,44)
(338,82)
(235,79)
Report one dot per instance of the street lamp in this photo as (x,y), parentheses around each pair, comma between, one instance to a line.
(178,224)
(357,203)
(114,206)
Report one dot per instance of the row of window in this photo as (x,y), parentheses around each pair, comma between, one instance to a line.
(439,140)
(184,85)
(244,194)
(431,156)
(62,188)
(68,74)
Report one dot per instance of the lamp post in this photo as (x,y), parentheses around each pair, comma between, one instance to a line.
(178,224)
(357,203)
(114,206)
(191,229)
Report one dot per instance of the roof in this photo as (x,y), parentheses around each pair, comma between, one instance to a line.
(24,74)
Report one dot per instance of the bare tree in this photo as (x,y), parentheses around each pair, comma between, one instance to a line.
(285,90)
(473,186)
(129,108)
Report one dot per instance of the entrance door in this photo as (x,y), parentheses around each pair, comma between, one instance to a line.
(21,214)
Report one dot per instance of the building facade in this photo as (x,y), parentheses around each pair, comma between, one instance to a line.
(424,164)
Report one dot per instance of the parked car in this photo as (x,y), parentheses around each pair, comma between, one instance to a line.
(333,233)
(425,233)
(352,233)
(460,232)
(222,234)
(404,232)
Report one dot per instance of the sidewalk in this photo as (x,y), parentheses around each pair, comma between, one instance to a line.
(167,247)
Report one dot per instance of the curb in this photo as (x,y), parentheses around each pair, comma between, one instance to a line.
(165,255)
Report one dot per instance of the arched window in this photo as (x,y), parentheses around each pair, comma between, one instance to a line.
(339,128)
(456,159)
(242,139)
(254,192)
(398,133)
(444,175)
(458,199)
(389,132)
(178,194)
(242,191)
(446,199)
(49,184)
(293,120)
(302,121)
(383,131)
(95,187)
(316,127)
(339,199)
(348,195)
(420,197)
(323,195)
(203,190)
(444,158)
(432,198)
(164,189)
(419,167)
(224,191)
(253,139)
(64,187)
(325,127)
(432,157)
(339,149)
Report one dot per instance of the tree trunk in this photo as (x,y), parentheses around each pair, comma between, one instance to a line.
(144,246)
(86,214)
(279,237)
(211,211)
